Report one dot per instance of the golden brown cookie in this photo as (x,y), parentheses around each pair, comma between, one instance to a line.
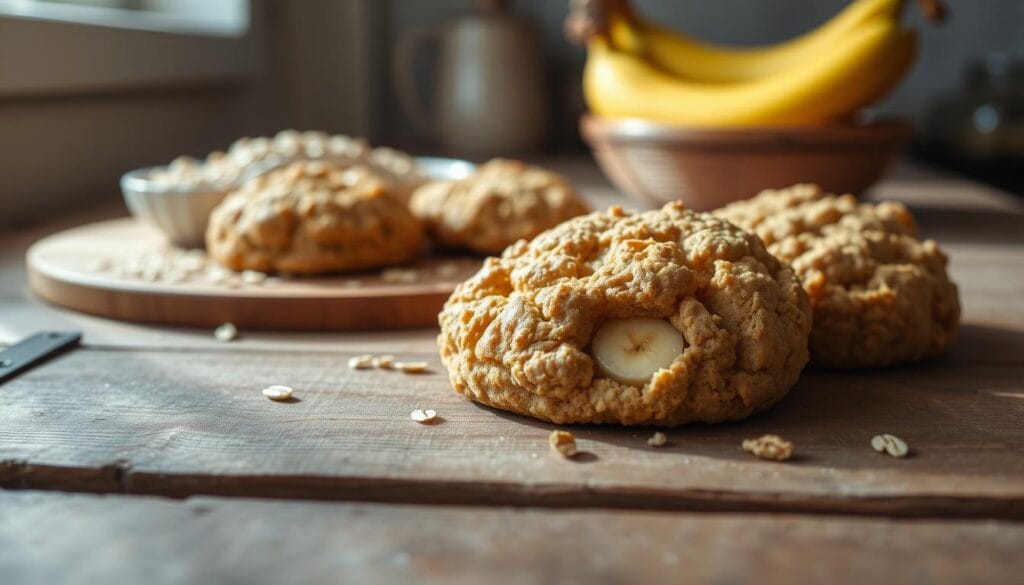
(503,201)
(879,294)
(313,217)
(553,328)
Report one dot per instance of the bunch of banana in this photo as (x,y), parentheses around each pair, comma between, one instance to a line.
(637,69)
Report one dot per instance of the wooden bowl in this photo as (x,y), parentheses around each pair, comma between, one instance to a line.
(707,168)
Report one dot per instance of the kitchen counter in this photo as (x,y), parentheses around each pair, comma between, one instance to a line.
(150,454)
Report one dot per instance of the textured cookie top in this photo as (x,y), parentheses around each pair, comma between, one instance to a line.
(775,215)
(503,201)
(313,217)
(879,294)
(517,335)
(225,169)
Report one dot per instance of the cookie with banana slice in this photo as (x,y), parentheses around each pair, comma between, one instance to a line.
(663,317)
(879,294)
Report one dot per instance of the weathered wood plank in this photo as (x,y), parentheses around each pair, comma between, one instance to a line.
(54,538)
(186,422)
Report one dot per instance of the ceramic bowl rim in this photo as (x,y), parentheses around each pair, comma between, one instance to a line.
(857,135)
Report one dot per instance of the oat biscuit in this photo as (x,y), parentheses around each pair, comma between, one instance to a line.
(313,217)
(518,335)
(503,201)
(879,294)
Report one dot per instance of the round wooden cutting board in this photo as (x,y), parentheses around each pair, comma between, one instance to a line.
(85,269)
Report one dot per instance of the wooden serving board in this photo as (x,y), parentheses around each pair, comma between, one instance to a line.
(82,269)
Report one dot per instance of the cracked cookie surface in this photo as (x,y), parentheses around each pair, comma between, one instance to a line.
(879,294)
(313,217)
(501,202)
(517,335)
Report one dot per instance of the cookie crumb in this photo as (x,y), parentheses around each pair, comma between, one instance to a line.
(226,332)
(411,367)
(563,443)
(385,362)
(278,392)
(771,447)
(657,440)
(425,417)
(890,444)
(361,362)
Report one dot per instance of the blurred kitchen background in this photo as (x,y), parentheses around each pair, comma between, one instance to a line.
(92,88)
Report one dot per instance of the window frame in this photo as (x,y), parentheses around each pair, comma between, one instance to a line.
(85,58)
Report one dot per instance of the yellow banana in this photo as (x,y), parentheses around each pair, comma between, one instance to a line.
(830,86)
(698,61)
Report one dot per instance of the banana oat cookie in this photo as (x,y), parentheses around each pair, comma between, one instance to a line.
(662,317)
(503,201)
(313,217)
(879,294)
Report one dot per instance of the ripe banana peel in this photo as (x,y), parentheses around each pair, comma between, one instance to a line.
(699,61)
(843,74)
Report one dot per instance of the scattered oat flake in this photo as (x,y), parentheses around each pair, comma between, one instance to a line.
(563,443)
(890,444)
(278,392)
(411,367)
(657,440)
(253,277)
(423,416)
(771,447)
(448,270)
(361,362)
(402,275)
(226,332)
(101,265)
(383,361)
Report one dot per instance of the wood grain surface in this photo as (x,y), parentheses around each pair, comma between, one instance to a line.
(60,270)
(180,422)
(130,540)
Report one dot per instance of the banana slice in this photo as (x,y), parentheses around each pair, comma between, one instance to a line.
(632,350)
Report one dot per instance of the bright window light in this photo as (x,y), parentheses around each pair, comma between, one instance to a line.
(218,17)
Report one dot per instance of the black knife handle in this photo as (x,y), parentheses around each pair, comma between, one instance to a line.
(33,350)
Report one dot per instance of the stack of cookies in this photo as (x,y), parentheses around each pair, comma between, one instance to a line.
(672,316)
(661,317)
(321,216)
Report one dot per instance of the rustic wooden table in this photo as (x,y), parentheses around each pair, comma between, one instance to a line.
(149,455)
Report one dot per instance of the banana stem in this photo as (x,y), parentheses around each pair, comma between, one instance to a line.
(934,10)
(590,18)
